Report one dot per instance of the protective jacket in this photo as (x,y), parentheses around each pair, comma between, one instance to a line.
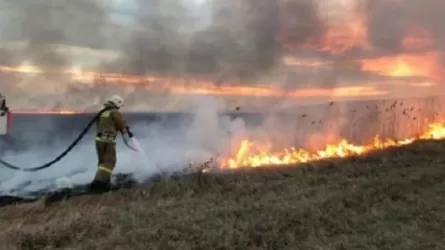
(110,123)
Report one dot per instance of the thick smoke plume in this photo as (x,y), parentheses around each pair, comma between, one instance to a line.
(218,40)
(223,41)
(161,36)
(389,22)
(238,39)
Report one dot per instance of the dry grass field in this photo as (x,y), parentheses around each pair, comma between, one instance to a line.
(393,199)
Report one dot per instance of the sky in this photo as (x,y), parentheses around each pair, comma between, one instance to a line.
(338,60)
(126,6)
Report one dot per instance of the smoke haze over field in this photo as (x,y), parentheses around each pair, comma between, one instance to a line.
(292,52)
(260,55)
(169,146)
(172,142)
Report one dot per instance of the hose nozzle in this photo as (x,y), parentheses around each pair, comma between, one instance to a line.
(130,134)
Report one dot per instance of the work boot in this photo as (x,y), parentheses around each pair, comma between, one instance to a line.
(99,187)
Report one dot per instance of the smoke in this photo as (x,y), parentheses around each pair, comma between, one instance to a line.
(36,33)
(169,148)
(162,37)
(300,22)
(389,22)
(38,26)
(222,41)
(172,144)
(386,23)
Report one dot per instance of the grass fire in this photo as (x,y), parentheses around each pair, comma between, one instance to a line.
(250,154)
(258,124)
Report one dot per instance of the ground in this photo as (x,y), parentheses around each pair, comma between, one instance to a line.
(387,200)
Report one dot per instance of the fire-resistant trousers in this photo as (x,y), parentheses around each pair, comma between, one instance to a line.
(106,155)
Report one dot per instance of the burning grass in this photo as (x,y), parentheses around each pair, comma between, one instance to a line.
(344,131)
(391,199)
(342,149)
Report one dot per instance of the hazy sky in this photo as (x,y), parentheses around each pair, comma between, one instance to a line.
(122,7)
(360,58)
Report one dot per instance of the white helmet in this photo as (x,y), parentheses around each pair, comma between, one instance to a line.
(116,100)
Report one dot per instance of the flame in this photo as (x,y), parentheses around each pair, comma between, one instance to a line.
(250,155)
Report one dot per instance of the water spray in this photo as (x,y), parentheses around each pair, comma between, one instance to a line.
(140,150)
(142,153)
(64,182)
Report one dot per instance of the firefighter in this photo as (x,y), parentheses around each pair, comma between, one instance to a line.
(109,124)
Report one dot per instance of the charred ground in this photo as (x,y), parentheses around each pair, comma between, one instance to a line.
(386,200)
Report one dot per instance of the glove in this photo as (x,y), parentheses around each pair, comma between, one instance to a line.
(130,134)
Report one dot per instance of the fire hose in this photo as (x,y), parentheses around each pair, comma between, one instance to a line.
(67,150)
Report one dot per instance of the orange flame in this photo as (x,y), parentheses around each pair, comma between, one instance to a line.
(249,156)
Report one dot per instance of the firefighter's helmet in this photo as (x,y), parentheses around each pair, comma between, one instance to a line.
(116,100)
